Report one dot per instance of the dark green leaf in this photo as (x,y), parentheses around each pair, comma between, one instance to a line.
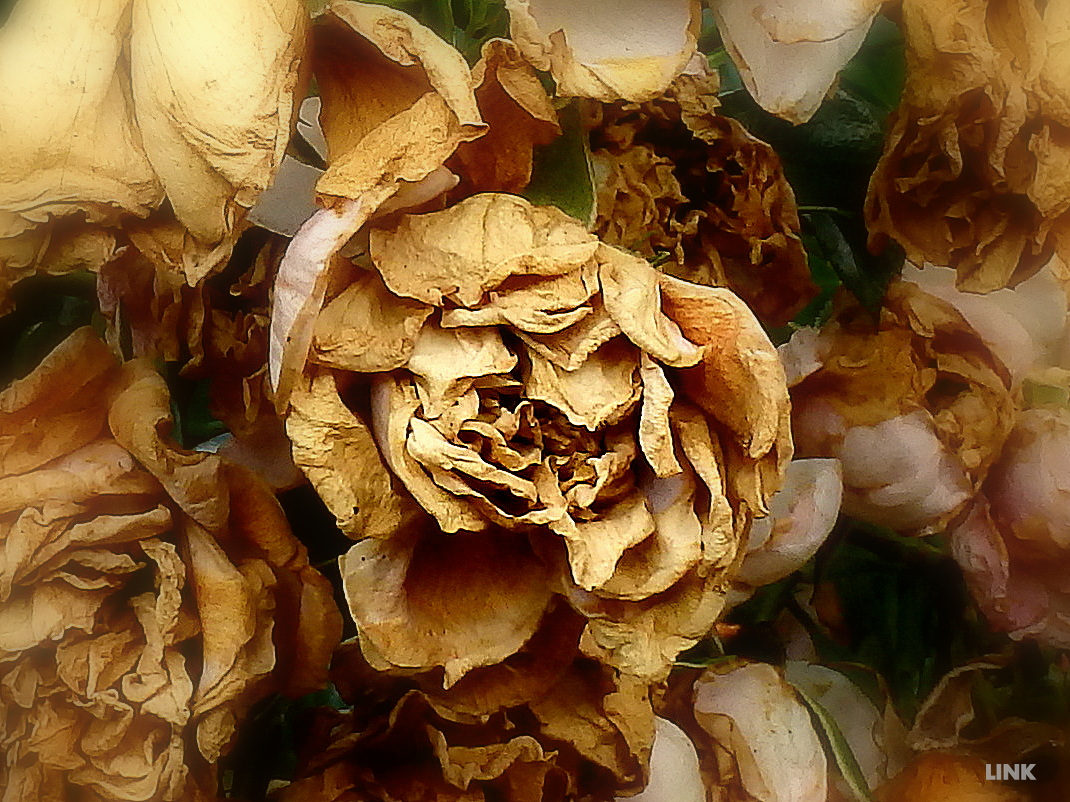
(562,172)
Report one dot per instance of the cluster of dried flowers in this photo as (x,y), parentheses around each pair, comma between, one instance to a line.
(562,447)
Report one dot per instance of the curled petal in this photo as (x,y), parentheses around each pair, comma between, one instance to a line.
(753,714)
(437,602)
(396,99)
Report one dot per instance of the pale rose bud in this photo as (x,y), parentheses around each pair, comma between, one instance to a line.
(1023,326)
(768,748)
(674,769)
(1014,549)
(789,53)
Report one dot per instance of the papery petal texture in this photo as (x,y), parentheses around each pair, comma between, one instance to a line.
(150,595)
(496,381)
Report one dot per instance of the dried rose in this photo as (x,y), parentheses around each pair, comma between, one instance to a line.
(77,155)
(1013,545)
(145,105)
(150,595)
(542,402)
(875,737)
(216,331)
(674,178)
(974,169)
(915,406)
(546,724)
(396,100)
(789,52)
(215,89)
(1023,326)
(946,776)
(607,49)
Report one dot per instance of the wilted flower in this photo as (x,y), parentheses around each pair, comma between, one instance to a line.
(580,424)
(149,595)
(915,407)
(789,52)
(676,179)
(546,724)
(974,170)
(1015,542)
(765,745)
(607,49)
(1023,327)
(188,102)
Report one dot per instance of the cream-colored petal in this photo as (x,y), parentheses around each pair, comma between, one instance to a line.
(607,49)
(788,73)
(470,248)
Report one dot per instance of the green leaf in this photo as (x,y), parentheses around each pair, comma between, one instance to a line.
(878,71)
(562,175)
(836,747)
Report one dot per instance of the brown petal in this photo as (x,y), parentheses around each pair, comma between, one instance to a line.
(520,117)
(397,100)
(459,602)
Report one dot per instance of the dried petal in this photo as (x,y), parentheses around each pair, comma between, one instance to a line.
(435,602)
(582,46)
(771,748)
(519,115)
(397,100)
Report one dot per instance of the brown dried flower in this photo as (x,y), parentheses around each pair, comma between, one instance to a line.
(916,407)
(545,725)
(974,173)
(149,595)
(503,408)
(676,178)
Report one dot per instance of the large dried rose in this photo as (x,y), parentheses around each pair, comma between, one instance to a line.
(148,100)
(149,595)
(501,407)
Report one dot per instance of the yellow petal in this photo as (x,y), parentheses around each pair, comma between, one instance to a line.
(215,92)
